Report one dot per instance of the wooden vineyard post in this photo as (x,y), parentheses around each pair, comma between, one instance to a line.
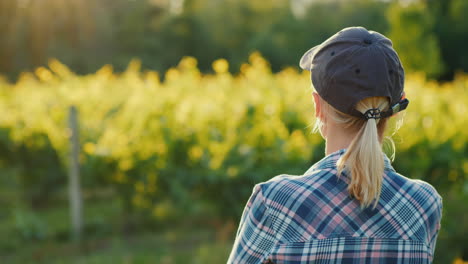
(74,188)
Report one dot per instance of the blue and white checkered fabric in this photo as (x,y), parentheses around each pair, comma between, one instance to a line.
(312,219)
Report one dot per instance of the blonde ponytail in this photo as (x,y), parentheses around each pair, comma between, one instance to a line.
(363,158)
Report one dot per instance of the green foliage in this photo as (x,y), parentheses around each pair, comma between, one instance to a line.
(451,27)
(412,33)
(37,186)
(29,226)
(194,145)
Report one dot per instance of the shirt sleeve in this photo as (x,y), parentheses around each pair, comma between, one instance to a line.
(254,238)
(436,217)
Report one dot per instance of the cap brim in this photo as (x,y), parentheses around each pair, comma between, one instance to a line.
(306,60)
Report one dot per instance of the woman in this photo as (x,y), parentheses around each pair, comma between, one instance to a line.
(352,206)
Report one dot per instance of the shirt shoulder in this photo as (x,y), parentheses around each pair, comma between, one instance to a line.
(416,186)
(287,183)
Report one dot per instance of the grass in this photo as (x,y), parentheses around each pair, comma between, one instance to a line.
(43,237)
(142,248)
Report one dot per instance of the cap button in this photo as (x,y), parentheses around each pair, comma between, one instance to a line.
(368,41)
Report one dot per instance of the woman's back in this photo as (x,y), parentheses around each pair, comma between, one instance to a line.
(352,206)
(312,219)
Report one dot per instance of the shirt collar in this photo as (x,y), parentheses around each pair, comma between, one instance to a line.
(330,162)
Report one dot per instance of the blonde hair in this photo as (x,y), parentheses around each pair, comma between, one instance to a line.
(363,158)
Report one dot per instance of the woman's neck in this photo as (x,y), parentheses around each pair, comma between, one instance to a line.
(337,138)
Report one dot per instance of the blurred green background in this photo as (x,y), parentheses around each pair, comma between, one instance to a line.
(184,105)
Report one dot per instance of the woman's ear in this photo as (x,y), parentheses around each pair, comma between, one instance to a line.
(321,122)
(318,105)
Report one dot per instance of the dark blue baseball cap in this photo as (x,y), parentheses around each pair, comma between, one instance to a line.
(354,64)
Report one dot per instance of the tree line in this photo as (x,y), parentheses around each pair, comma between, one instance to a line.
(85,35)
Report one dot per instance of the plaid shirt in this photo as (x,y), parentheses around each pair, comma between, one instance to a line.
(312,219)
